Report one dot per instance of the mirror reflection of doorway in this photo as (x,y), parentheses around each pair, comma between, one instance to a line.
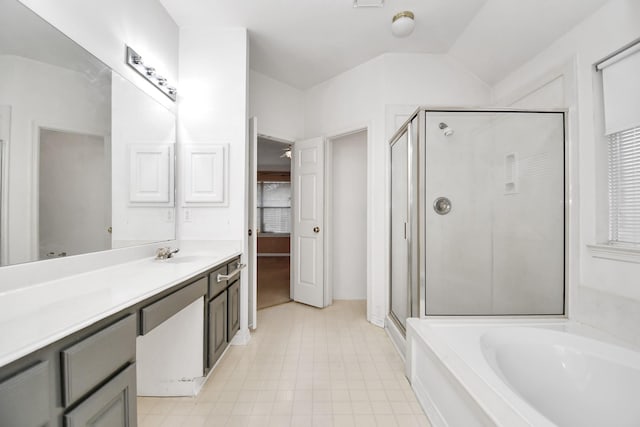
(273,222)
(74,212)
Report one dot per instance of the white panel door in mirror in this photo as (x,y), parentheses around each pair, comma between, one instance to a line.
(205,174)
(151,174)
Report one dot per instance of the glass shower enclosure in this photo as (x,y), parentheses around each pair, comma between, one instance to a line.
(478,214)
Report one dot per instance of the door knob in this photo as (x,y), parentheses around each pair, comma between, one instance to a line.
(250,232)
(316,229)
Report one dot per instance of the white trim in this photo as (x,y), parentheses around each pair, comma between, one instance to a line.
(251,238)
(5,137)
(397,339)
(328,221)
(275,138)
(615,252)
(294,202)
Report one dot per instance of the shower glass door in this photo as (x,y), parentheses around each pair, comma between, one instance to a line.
(400,190)
(494,218)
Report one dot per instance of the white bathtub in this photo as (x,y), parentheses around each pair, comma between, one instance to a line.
(521,373)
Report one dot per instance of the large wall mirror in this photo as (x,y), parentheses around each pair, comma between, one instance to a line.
(86,158)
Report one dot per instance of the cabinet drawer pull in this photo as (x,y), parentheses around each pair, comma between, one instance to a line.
(231,275)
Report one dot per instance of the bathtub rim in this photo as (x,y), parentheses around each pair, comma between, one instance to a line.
(498,402)
(476,394)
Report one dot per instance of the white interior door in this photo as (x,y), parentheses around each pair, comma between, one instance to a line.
(252,243)
(308,222)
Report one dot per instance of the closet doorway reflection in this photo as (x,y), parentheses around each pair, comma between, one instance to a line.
(273,220)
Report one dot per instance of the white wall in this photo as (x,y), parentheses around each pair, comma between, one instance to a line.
(103,28)
(213,110)
(348,216)
(73,104)
(361,97)
(605,293)
(137,119)
(278,107)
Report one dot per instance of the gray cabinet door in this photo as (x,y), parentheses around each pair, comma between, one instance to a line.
(88,363)
(24,398)
(113,405)
(234,309)
(217,327)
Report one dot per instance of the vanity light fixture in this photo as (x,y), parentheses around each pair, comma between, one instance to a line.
(402,24)
(134,60)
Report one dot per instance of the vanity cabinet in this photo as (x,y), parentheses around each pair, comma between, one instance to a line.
(161,310)
(88,378)
(89,362)
(114,404)
(217,283)
(233,308)
(218,338)
(223,309)
(72,382)
(25,397)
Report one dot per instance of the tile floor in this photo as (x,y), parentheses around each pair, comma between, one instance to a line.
(302,367)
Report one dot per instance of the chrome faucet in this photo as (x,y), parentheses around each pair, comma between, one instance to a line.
(166,252)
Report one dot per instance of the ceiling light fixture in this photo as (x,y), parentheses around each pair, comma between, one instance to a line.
(402,24)
(368,3)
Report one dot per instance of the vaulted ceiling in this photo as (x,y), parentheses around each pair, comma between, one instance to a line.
(303,43)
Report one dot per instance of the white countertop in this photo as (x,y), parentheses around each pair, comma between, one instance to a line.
(36,316)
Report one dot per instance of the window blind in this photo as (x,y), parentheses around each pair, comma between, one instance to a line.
(274,206)
(621,90)
(624,186)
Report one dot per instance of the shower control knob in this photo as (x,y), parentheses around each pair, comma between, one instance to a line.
(442,206)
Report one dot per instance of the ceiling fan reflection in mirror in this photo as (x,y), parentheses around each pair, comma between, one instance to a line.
(286,152)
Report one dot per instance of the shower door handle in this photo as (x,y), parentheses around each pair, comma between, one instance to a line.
(442,205)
